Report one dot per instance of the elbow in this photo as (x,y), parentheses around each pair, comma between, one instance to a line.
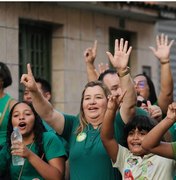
(57,176)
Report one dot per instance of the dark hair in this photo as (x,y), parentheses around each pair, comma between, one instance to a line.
(38,128)
(108,71)
(45,85)
(152,92)
(140,122)
(5,75)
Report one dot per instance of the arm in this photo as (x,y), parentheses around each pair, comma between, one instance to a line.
(162,53)
(41,105)
(107,129)
(90,55)
(156,134)
(53,170)
(120,62)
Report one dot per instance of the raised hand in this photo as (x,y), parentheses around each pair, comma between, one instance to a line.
(171,112)
(28,79)
(162,50)
(121,54)
(101,69)
(115,101)
(91,53)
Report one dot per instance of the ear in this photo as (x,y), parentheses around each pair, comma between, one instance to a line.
(47,95)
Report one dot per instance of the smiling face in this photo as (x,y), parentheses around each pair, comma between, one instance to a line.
(94,104)
(112,81)
(134,140)
(23,118)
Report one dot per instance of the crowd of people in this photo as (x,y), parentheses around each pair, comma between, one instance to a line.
(123,130)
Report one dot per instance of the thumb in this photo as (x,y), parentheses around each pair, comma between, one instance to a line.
(148,103)
(153,49)
(110,56)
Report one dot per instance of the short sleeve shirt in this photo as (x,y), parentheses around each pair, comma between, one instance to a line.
(53,148)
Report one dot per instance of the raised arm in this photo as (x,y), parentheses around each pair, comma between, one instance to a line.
(120,61)
(152,142)
(162,53)
(89,56)
(107,129)
(41,105)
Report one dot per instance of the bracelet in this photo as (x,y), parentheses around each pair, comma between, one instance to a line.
(124,73)
(165,62)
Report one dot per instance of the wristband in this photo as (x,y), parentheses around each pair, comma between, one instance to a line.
(165,62)
(124,73)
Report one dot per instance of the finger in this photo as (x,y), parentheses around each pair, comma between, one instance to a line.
(125,46)
(110,56)
(29,71)
(162,39)
(157,40)
(85,53)
(153,49)
(97,73)
(166,40)
(101,67)
(121,44)
(95,46)
(129,50)
(170,44)
(24,79)
(116,45)
(107,66)
(149,103)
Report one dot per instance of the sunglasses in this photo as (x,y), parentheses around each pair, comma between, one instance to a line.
(141,84)
(139,103)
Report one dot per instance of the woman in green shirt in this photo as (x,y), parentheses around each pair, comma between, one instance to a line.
(43,151)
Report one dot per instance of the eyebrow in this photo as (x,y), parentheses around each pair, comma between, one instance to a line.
(94,95)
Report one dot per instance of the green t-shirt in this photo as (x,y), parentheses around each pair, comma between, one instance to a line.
(53,148)
(4,122)
(87,156)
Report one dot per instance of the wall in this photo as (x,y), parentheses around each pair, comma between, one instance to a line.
(74,30)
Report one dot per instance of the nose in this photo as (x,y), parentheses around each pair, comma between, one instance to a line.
(92,101)
(21,117)
(119,91)
(135,136)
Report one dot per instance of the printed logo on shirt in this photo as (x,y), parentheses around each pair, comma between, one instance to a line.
(132,162)
(81,137)
(128,175)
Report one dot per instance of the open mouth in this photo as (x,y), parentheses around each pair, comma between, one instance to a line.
(92,108)
(22,125)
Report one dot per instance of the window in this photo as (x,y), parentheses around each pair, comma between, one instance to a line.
(34,48)
(117,34)
(147,70)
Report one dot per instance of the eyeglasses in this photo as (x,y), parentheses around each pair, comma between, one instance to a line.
(139,103)
(140,84)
